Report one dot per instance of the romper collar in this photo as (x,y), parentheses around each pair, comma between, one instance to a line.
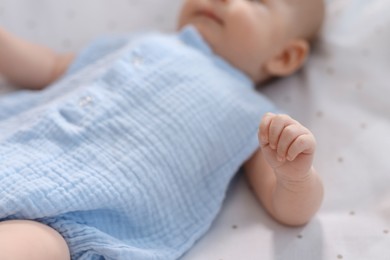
(191,37)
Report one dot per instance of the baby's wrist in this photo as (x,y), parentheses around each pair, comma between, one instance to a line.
(295,181)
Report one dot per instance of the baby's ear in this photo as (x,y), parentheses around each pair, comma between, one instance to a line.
(289,59)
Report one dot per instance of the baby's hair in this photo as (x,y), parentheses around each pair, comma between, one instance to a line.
(307,18)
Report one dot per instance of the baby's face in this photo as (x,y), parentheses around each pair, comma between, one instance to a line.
(246,33)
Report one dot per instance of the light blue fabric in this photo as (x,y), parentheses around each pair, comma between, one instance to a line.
(130,156)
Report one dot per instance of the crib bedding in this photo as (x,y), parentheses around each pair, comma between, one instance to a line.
(341,95)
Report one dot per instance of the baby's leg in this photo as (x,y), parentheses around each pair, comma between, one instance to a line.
(29,240)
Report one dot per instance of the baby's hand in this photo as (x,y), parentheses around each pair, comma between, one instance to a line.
(287,146)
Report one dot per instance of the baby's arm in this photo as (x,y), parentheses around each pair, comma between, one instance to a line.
(30,65)
(281,172)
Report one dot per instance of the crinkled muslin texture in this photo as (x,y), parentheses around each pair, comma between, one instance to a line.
(129,155)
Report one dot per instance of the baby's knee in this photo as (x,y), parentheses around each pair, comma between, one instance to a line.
(23,239)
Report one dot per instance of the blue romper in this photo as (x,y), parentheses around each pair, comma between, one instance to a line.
(130,154)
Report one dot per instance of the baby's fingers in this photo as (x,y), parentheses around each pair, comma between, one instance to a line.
(303,144)
(276,127)
(264,129)
(289,134)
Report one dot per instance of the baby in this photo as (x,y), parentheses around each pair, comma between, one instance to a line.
(130,150)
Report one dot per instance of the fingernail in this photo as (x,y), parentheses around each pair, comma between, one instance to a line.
(280,158)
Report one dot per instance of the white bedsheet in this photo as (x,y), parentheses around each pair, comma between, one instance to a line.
(343,95)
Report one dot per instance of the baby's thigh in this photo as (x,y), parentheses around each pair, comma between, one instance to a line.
(29,240)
